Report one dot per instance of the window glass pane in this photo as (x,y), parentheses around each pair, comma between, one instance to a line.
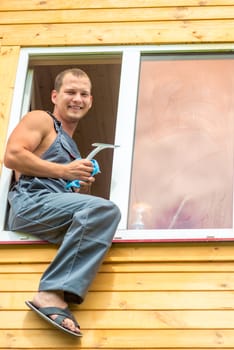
(182,173)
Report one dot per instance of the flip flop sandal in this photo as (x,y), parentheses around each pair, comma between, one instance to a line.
(44,312)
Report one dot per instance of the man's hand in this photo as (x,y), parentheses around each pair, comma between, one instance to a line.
(79,169)
(85,187)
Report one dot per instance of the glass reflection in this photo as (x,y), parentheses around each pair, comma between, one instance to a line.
(182,173)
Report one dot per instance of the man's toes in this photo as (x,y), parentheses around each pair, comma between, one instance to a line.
(69,324)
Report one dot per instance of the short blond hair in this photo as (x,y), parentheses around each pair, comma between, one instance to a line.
(75,71)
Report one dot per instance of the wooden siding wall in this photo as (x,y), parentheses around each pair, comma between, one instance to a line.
(146,296)
(154,296)
(103,22)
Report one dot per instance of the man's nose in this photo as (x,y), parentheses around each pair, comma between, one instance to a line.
(77,97)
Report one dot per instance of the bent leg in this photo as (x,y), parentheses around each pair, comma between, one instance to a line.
(82,225)
(85,244)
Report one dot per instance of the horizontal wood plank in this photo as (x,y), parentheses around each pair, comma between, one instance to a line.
(127,319)
(116,15)
(167,281)
(133,281)
(118,339)
(121,252)
(160,32)
(152,348)
(166,300)
(8,5)
(130,267)
(35,253)
(171,252)
(136,300)
(91,348)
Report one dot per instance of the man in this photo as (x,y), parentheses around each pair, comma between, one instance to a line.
(43,155)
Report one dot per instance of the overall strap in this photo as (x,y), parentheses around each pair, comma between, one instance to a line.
(57,123)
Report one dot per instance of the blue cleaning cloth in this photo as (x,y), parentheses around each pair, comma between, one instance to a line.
(76,183)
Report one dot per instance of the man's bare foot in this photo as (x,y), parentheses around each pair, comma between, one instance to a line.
(54,299)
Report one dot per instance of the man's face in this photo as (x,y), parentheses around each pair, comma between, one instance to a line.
(74,98)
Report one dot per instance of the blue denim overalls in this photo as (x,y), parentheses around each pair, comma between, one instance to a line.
(82,225)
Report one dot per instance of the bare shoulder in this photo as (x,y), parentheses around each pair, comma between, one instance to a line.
(34,132)
(37,121)
(37,118)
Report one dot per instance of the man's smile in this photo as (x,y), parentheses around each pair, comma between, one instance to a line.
(77,108)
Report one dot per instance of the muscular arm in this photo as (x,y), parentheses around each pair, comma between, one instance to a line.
(29,140)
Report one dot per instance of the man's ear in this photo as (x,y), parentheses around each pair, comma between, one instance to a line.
(91,101)
(53,96)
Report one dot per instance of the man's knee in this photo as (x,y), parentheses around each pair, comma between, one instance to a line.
(109,207)
(116,210)
(99,209)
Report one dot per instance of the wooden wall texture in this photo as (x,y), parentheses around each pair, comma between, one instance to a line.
(154,296)
(146,296)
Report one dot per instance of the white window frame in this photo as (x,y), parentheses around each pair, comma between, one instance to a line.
(126,114)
